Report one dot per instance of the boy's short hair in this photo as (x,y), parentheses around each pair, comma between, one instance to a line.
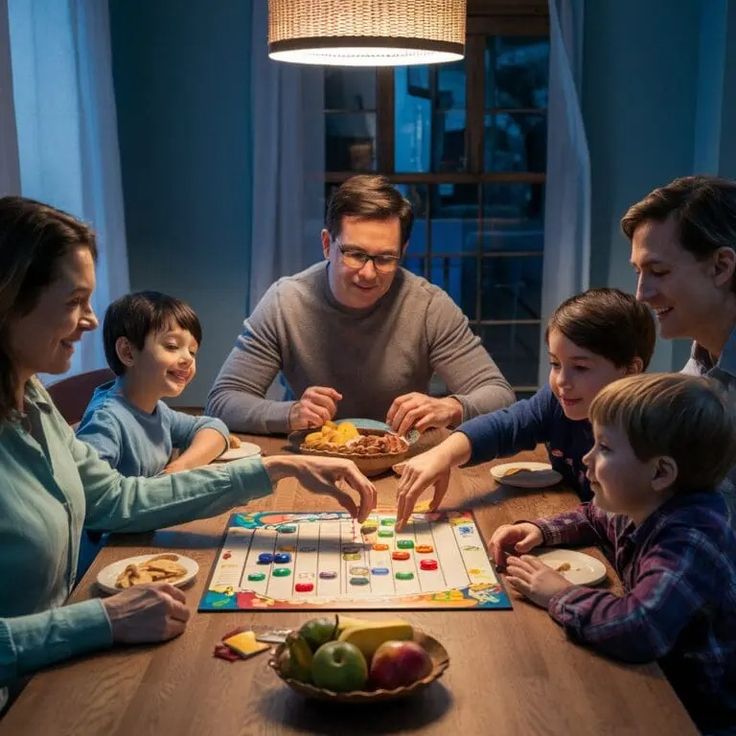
(135,316)
(607,322)
(685,417)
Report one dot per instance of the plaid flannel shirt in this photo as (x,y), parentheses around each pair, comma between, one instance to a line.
(678,570)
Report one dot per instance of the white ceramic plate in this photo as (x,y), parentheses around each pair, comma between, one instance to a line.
(583,570)
(246,449)
(108,575)
(526,474)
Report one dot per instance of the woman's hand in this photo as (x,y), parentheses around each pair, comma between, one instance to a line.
(532,578)
(521,538)
(147,613)
(334,476)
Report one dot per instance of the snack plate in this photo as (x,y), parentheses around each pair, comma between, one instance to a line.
(108,575)
(440,662)
(369,464)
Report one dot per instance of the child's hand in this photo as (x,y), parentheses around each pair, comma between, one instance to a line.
(417,474)
(532,578)
(519,537)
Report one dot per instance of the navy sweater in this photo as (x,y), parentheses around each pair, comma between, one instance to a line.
(527,423)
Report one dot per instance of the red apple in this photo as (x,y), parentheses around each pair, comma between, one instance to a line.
(398,663)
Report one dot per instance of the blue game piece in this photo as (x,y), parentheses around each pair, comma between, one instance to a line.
(380,571)
(265,558)
(282,557)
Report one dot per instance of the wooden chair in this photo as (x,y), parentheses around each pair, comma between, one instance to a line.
(71,395)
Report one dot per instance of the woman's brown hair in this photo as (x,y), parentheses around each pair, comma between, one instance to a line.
(33,238)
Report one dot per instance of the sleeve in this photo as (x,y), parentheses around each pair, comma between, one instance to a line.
(102,430)
(676,579)
(28,643)
(507,431)
(238,394)
(585,525)
(457,355)
(185,426)
(117,503)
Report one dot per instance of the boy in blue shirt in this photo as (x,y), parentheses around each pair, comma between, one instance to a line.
(151,342)
(593,339)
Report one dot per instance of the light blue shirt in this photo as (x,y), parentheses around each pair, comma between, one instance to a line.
(723,371)
(53,485)
(135,442)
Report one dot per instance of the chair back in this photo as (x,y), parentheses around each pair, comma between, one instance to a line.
(71,395)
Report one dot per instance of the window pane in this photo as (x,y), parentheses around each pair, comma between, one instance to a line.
(451,86)
(412,118)
(515,348)
(511,288)
(516,204)
(350,141)
(517,71)
(515,142)
(448,141)
(417,194)
(350,89)
(454,218)
(457,276)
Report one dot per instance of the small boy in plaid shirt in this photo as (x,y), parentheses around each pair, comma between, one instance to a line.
(663,442)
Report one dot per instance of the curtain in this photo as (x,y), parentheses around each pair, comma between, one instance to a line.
(566,268)
(67,132)
(288,163)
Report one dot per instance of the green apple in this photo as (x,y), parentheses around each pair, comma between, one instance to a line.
(318,631)
(339,666)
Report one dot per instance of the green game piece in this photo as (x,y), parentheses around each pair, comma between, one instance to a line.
(359,581)
(256,576)
(405,544)
(281,572)
(388,522)
(385,532)
(404,575)
(287,528)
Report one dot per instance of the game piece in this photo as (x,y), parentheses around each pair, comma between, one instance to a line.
(287,529)
(282,557)
(385,532)
(335,570)
(388,522)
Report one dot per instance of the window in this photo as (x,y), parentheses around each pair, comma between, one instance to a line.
(466,144)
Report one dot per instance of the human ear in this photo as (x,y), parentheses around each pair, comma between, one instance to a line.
(636,366)
(124,351)
(665,473)
(325,235)
(724,266)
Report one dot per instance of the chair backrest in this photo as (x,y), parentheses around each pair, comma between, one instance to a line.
(71,395)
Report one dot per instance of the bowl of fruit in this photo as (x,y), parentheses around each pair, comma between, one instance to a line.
(374,449)
(351,660)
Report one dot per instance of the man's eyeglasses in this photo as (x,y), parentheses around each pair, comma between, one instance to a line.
(357,259)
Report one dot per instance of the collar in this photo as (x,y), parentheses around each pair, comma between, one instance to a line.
(36,394)
(726,360)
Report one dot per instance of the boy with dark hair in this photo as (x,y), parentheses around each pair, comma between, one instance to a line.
(663,442)
(151,341)
(593,338)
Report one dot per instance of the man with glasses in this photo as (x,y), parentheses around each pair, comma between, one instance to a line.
(356,335)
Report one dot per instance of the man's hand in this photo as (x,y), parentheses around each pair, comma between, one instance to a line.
(317,405)
(333,476)
(532,578)
(521,538)
(421,412)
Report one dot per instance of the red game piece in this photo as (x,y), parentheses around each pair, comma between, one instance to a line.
(399,555)
(304,587)
(428,564)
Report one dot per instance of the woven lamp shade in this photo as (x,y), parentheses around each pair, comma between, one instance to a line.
(366,32)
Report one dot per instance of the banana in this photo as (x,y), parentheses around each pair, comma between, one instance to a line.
(368,637)
(350,622)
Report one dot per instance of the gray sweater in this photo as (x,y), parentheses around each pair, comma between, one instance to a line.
(370,356)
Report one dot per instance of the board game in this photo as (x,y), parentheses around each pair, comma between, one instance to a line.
(279,561)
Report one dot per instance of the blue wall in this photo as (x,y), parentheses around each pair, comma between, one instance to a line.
(657,92)
(182,87)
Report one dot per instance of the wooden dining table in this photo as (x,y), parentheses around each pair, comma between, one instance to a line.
(511,671)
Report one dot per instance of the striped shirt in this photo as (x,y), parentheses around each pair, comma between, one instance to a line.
(678,570)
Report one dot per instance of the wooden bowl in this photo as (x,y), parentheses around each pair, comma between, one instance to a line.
(440,662)
(369,465)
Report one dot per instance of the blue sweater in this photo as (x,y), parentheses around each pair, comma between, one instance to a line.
(134,442)
(527,423)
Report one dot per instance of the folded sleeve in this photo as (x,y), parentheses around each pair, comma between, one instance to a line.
(185,426)
(28,643)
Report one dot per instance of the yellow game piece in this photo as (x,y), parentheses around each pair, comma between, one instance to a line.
(245,644)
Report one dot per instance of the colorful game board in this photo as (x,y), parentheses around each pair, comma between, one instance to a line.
(285,561)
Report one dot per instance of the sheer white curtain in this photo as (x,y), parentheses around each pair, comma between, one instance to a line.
(67,131)
(288,163)
(567,207)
